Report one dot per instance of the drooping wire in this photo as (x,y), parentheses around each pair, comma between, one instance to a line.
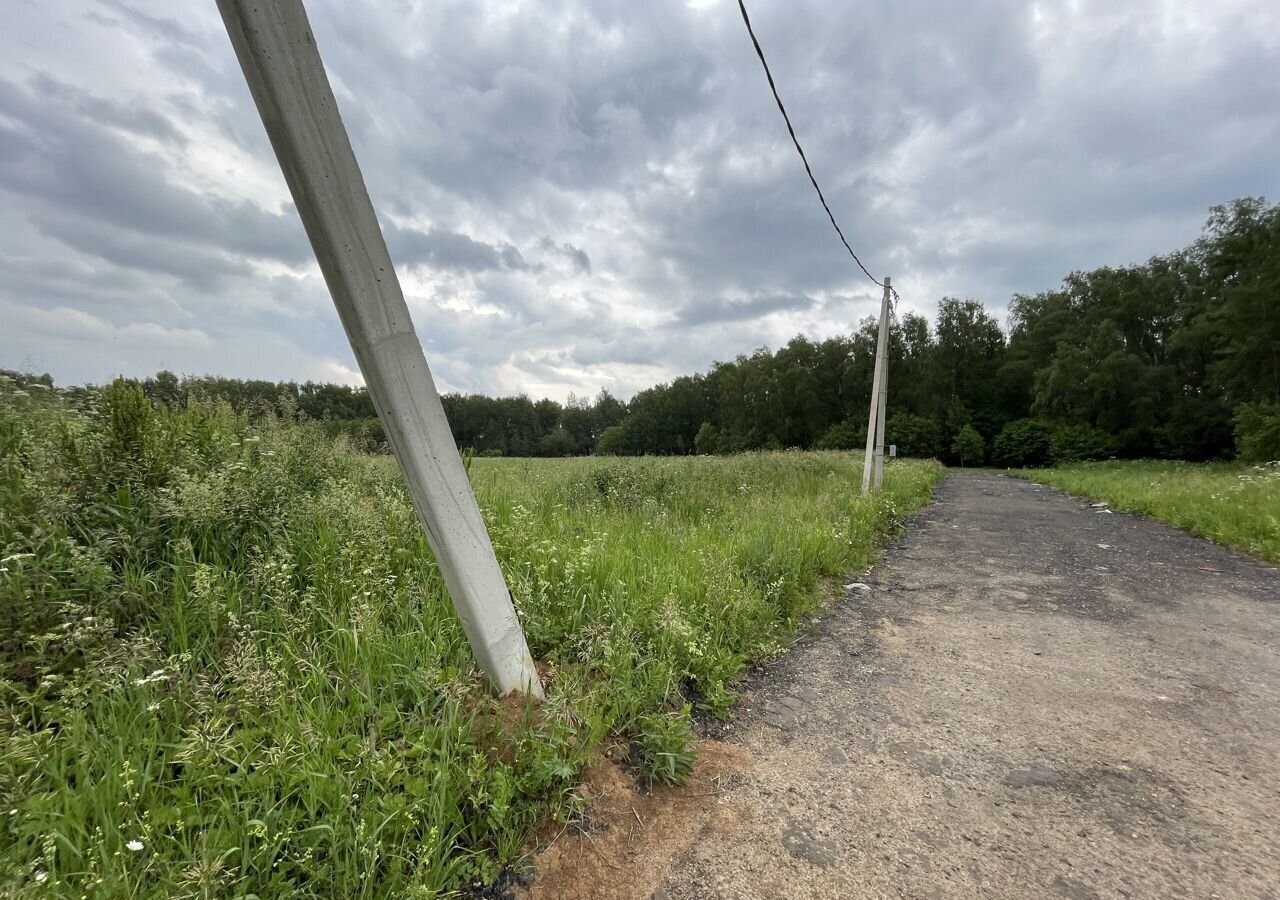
(804,159)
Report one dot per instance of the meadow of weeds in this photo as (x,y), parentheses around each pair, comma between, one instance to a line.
(1231,503)
(228,666)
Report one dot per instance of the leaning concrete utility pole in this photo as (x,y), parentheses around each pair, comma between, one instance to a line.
(874,458)
(278,54)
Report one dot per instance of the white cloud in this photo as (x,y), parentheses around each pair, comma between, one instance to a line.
(332,371)
(69,324)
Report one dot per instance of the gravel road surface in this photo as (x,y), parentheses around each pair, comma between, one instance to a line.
(1030,698)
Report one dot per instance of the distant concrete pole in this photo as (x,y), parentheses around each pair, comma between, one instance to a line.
(882,402)
(278,54)
(873,459)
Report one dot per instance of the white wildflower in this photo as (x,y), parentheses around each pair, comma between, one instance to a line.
(135,845)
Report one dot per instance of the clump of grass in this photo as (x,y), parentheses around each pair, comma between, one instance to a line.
(229,665)
(663,749)
(1231,503)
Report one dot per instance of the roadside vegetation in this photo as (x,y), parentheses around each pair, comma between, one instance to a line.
(1233,504)
(228,665)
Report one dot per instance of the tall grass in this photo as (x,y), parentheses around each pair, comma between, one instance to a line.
(228,665)
(1230,503)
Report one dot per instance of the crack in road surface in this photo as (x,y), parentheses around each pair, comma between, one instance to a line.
(1035,699)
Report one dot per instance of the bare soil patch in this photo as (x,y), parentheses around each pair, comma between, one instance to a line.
(624,843)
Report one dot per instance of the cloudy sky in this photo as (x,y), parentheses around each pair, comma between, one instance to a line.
(585,195)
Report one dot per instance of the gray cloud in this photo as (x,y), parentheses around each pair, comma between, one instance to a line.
(575,255)
(591,194)
(122,15)
(448,250)
(65,164)
(742,309)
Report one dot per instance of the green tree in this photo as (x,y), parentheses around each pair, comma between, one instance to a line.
(707,440)
(557,442)
(613,442)
(1240,255)
(969,446)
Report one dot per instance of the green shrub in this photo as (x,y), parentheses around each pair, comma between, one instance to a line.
(613,441)
(842,436)
(915,436)
(1258,432)
(1022,444)
(1078,443)
(708,441)
(365,435)
(629,486)
(663,748)
(557,442)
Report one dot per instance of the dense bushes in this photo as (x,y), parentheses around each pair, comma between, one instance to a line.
(1257,432)
(843,436)
(915,436)
(1077,443)
(1021,444)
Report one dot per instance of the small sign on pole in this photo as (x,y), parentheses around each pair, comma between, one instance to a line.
(893,450)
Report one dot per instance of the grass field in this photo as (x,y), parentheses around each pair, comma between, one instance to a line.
(1230,503)
(228,666)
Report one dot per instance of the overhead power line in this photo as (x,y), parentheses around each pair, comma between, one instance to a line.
(804,159)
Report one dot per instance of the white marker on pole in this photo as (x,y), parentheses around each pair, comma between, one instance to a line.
(277,51)
(875,449)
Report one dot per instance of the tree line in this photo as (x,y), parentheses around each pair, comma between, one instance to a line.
(489,426)
(1175,358)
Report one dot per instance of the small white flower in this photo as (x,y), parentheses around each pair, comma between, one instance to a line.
(42,877)
(135,845)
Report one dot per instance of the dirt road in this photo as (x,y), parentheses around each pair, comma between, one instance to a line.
(1033,699)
